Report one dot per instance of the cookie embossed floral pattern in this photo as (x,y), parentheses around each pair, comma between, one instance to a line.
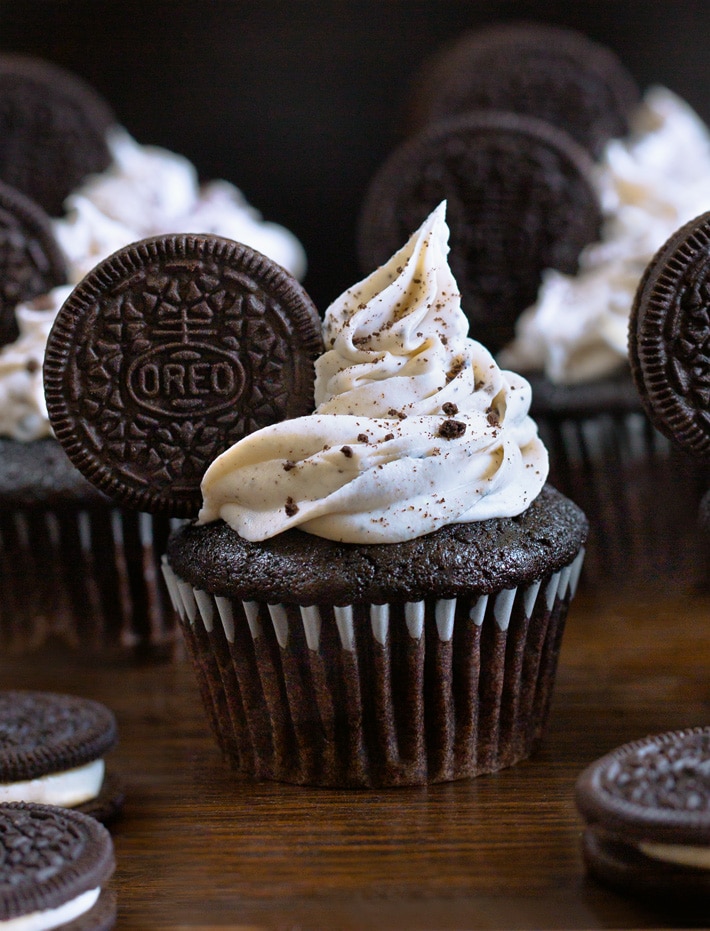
(182,343)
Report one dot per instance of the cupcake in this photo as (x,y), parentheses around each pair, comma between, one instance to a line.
(563,326)
(374,594)
(75,569)
(572,345)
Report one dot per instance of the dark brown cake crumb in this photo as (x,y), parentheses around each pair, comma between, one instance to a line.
(290,507)
(363,438)
(347,451)
(288,465)
(450,408)
(452,429)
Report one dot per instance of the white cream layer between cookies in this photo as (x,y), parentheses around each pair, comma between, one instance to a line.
(68,788)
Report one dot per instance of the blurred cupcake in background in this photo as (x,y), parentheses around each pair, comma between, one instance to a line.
(551,290)
(75,568)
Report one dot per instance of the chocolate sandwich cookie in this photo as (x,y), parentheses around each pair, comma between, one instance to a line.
(520,199)
(31,262)
(647,808)
(170,351)
(669,337)
(53,865)
(549,72)
(51,751)
(52,130)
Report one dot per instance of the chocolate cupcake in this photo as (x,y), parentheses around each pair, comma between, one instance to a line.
(374,595)
(75,569)
(572,345)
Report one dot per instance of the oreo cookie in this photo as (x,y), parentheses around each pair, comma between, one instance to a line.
(53,865)
(31,261)
(520,199)
(51,752)
(669,338)
(647,808)
(170,351)
(549,72)
(53,130)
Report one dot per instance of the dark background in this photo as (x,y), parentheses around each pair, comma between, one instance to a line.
(297,101)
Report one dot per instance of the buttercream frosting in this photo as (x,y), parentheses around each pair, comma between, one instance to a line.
(23,412)
(146,191)
(650,184)
(415,425)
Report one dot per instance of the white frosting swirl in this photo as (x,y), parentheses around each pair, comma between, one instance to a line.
(23,412)
(651,184)
(146,191)
(416,426)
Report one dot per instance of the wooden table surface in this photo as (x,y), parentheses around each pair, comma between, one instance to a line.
(197,847)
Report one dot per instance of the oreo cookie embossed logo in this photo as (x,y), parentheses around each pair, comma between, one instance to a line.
(177,379)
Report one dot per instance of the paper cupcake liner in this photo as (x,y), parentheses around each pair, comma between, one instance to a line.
(87,577)
(377,695)
(640,493)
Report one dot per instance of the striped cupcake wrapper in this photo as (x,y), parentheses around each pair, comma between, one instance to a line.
(377,695)
(640,493)
(89,577)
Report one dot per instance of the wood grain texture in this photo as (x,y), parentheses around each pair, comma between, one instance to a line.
(199,848)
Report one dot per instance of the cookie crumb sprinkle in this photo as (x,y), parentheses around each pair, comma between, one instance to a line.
(291,508)
(452,429)
(347,451)
(288,465)
(449,408)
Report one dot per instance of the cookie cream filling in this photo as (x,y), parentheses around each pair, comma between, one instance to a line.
(650,184)
(68,788)
(683,854)
(415,426)
(146,191)
(53,917)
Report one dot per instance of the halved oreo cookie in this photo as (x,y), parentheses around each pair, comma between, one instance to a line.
(647,808)
(51,751)
(669,337)
(52,130)
(520,199)
(54,862)
(170,351)
(31,261)
(549,72)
